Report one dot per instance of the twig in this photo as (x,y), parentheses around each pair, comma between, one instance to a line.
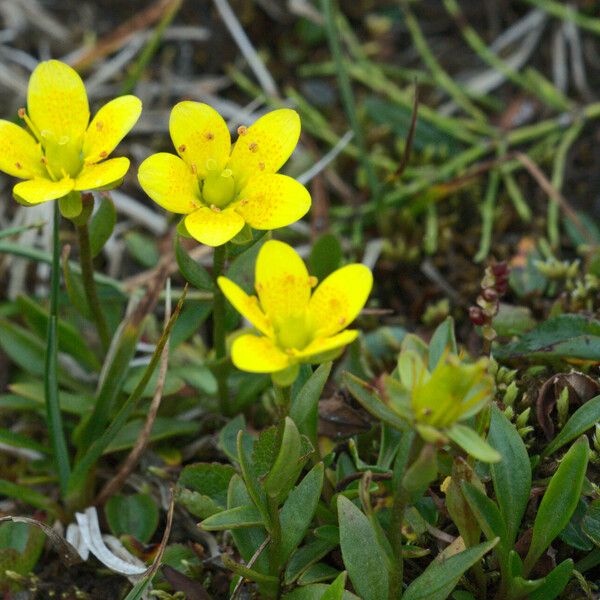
(251,562)
(326,159)
(115,484)
(246,48)
(554,194)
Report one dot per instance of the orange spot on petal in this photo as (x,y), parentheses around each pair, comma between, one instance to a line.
(181,148)
(99,125)
(253,147)
(209,135)
(18,165)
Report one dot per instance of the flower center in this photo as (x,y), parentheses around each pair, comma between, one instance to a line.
(62,154)
(218,188)
(293,332)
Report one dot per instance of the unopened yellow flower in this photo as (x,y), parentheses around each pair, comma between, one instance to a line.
(63,151)
(298,326)
(220,189)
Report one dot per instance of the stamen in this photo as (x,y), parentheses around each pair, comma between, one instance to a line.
(243,202)
(242,130)
(209,135)
(215,208)
(23,115)
(194,169)
(103,154)
(64,140)
(181,148)
(211,164)
(227,173)
(312,281)
(253,147)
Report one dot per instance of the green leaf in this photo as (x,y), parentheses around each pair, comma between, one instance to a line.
(95,451)
(573,534)
(247,541)
(364,558)
(442,342)
(241,270)
(203,488)
(287,465)
(325,256)
(318,573)
(102,225)
(135,515)
(555,582)
(566,336)
(488,516)
(512,475)
(142,248)
(75,289)
(228,438)
(162,429)
(298,511)
(315,592)
(192,271)
(304,408)
(336,589)
(305,556)
(581,420)
(76,404)
(591,522)
(69,338)
(21,546)
(441,576)
(233,518)
(472,444)
(559,501)
(371,402)
(27,495)
(19,440)
(421,472)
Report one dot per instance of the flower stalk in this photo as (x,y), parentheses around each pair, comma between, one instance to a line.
(222,368)
(87,276)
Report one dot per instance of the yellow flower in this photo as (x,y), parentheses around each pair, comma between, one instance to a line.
(220,189)
(63,151)
(297,327)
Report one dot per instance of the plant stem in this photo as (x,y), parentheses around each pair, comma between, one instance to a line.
(283,400)
(219,258)
(53,414)
(89,284)
(399,505)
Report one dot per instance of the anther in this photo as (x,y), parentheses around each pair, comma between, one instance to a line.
(261,166)
(243,202)
(194,169)
(242,130)
(22,114)
(99,125)
(215,208)
(226,173)
(181,148)
(209,135)
(312,281)
(253,147)
(44,160)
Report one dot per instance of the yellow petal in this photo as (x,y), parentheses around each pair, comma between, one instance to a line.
(339,299)
(246,305)
(319,348)
(213,228)
(103,175)
(20,154)
(258,355)
(170,183)
(36,191)
(57,101)
(269,201)
(282,281)
(200,134)
(266,145)
(110,125)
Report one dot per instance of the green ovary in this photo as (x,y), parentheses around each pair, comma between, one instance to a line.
(63,156)
(218,189)
(293,332)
